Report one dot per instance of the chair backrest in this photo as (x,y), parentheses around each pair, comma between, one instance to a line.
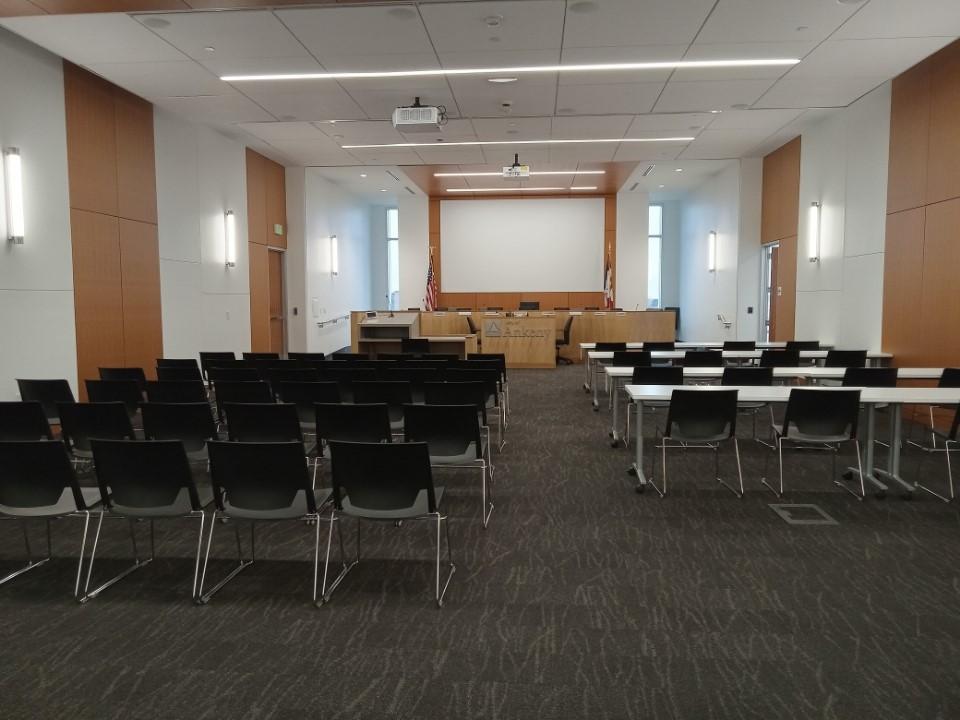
(949,378)
(803,345)
(458,393)
(494,308)
(230,365)
(208,359)
(822,413)
(382,477)
(233,374)
(305,394)
(143,474)
(955,425)
(474,364)
(447,429)
(702,358)
(702,415)
(49,393)
(346,373)
(355,423)
(425,361)
(124,373)
(657,375)
(414,345)
(394,357)
(416,376)
(178,363)
(255,391)
(529,305)
(262,422)
(35,474)
(261,356)
(631,358)
(80,422)
(780,358)
(610,346)
(187,391)
(760,376)
(395,393)
(437,356)
(739,344)
(347,356)
(490,377)
(23,421)
(277,375)
(501,359)
(190,423)
(129,392)
(870,377)
(567,325)
(179,374)
(659,345)
(308,356)
(260,477)
(846,358)
(471,325)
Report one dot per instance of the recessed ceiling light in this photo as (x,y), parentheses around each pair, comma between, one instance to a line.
(468,143)
(383,189)
(502,80)
(363,175)
(493,20)
(156,23)
(583,187)
(524,69)
(716,112)
(210,49)
(532,172)
(661,186)
(678,170)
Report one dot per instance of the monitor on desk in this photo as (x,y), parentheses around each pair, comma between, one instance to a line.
(529,305)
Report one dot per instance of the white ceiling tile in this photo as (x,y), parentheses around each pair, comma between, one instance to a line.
(95,38)
(866,58)
(228,109)
(790,92)
(621,98)
(498,156)
(304,100)
(477,98)
(714,144)
(260,66)
(283,130)
(619,54)
(330,32)
(741,51)
(383,62)
(163,79)
(682,123)
(361,132)
(572,155)
(453,130)
(512,128)
(636,22)
(450,156)
(321,151)
(896,18)
(387,156)
(639,152)
(238,34)
(694,96)
(459,27)
(764,120)
(590,126)
(410,85)
(743,21)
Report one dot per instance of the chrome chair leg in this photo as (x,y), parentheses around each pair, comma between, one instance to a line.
(486,508)
(736,452)
(346,567)
(947,449)
(137,562)
(439,594)
(202,597)
(778,447)
(34,564)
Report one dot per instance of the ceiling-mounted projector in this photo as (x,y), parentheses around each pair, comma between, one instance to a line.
(516,171)
(419,118)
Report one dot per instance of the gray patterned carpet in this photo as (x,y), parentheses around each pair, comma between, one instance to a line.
(581,600)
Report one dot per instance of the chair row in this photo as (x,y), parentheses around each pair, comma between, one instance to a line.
(250,482)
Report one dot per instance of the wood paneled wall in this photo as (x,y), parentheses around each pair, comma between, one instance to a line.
(920,299)
(113,221)
(779,218)
(266,209)
(511,300)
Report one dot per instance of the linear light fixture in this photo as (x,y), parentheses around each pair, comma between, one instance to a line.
(532,172)
(527,69)
(813,232)
(521,189)
(334,255)
(712,251)
(229,239)
(565,141)
(13,182)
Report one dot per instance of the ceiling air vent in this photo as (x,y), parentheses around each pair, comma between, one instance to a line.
(647,170)
(634,186)
(407,188)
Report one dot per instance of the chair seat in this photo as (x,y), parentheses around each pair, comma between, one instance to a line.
(296,509)
(800,437)
(453,457)
(180,506)
(65,505)
(751,405)
(419,508)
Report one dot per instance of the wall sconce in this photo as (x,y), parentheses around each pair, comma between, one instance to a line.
(229,239)
(334,256)
(13,182)
(712,251)
(813,232)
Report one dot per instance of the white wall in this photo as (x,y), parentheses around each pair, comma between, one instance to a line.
(332,211)
(749,250)
(714,205)
(633,217)
(414,249)
(378,257)
(37,323)
(843,165)
(670,254)
(299,311)
(200,175)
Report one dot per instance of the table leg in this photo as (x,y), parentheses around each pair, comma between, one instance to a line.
(596,399)
(637,468)
(893,458)
(869,451)
(616,406)
(586,364)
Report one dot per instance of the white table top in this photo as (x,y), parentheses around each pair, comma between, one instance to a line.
(689,345)
(732,355)
(781,393)
(808,371)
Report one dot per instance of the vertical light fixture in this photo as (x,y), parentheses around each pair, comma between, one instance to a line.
(813,232)
(334,256)
(712,251)
(13,182)
(229,239)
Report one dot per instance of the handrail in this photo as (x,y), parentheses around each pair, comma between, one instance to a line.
(332,321)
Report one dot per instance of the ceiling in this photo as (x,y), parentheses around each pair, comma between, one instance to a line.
(175,60)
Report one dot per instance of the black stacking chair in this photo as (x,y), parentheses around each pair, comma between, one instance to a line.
(439,357)
(396,395)
(187,391)
(261,356)
(232,365)
(128,392)
(275,376)
(755,376)
(452,434)
(346,376)
(233,374)
(81,422)
(846,358)
(212,359)
(177,363)
(49,393)
(949,443)
(414,345)
(38,481)
(949,378)
(701,418)
(819,418)
(870,377)
(659,346)
(347,356)
(387,483)
(241,392)
(564,341)
(610,347)
(427,362)
(395,357)
(352,423)
(739,345)
(179,374)
(702,358)
(631,358)
(415,376)
(803,345)
(501,359)
(473,329)
(261,482)
(23,421)
(656,375)
(262,422)
(124,373)
(305,395)
(780,358)
(307,356)
(490,377)
(459,393)
(145,481)
(190,423)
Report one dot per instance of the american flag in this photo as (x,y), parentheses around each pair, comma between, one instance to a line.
(432,292)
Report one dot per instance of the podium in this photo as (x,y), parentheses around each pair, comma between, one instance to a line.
(527,341)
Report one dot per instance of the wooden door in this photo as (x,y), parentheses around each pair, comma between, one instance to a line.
(774,291)
(277,329)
